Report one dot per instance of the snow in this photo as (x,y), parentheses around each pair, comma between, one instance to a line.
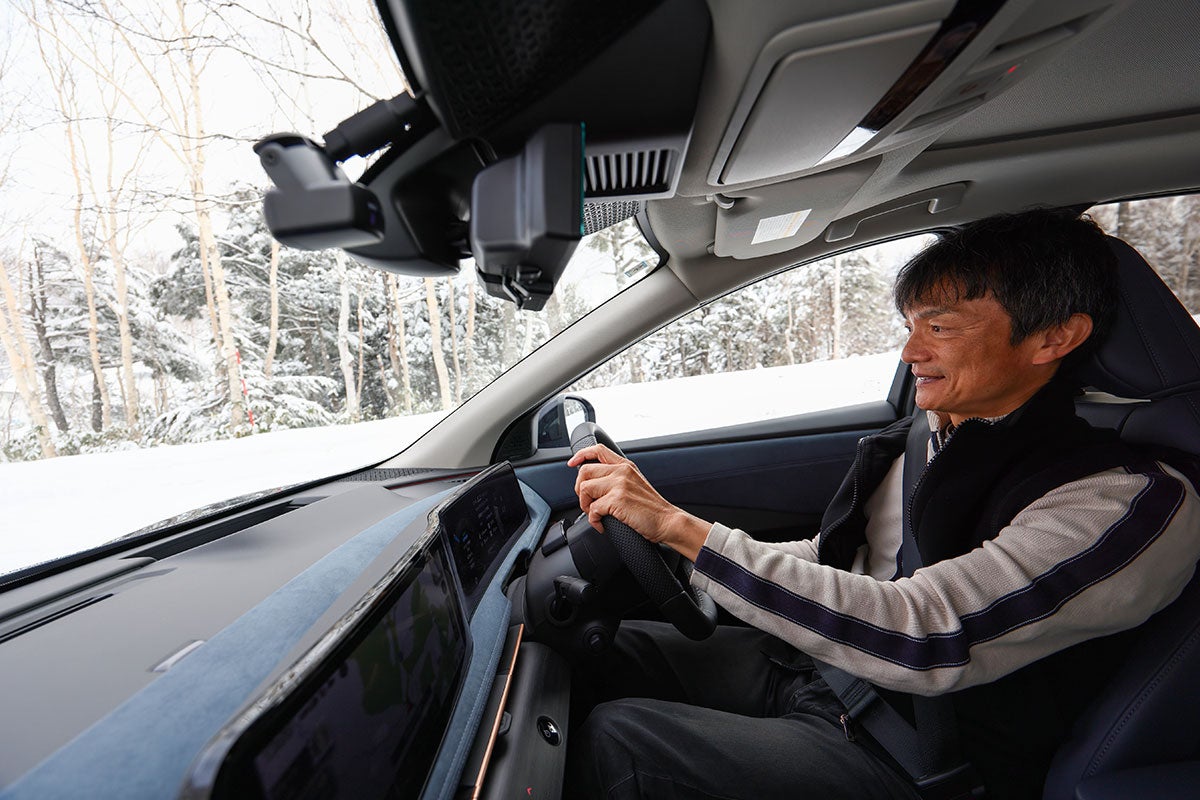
(64,505)
(678,405)
(59,506)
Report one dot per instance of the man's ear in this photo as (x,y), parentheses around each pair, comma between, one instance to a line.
(1057,341)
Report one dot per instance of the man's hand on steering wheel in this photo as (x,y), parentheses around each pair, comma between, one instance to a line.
(609,484)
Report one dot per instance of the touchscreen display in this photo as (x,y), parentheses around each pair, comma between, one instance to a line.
(481,521)
(371,727)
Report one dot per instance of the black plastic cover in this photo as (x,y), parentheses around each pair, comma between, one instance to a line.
(527,216)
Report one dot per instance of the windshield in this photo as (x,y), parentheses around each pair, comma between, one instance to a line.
(161,352)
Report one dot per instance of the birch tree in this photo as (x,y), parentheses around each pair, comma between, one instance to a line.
(435,343)
(345,360)
(158,82)
(38,316)
(62,77)
(397,342)
(21,360)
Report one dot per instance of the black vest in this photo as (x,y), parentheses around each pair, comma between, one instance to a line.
(973,487)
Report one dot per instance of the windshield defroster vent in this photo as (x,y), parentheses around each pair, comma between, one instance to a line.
(637,172)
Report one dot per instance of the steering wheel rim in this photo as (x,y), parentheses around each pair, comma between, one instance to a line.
(689,609)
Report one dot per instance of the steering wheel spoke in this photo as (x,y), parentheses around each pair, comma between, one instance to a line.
(664,577)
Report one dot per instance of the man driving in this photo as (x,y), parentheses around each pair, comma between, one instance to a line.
(999,576)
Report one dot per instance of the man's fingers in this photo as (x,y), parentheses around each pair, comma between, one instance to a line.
(595,452)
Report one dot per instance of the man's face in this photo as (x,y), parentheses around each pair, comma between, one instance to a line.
(965,364)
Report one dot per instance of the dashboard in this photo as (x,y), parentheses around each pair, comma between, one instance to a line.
(358,643)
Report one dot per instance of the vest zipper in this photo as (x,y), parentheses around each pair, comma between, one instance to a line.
(907,521)
(857,467)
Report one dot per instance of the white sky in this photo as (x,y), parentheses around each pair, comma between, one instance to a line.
(40,192)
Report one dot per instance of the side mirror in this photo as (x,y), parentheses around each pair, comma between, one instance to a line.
(547,428)
(554,421)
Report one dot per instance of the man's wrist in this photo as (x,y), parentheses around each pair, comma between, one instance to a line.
(686,533)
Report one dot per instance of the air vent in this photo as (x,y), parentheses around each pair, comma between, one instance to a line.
(386,474)
(632,173)
(173,545)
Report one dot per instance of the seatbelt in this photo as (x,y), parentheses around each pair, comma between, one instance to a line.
(929,753)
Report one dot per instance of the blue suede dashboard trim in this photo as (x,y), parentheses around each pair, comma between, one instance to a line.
(144,747)
(489,627)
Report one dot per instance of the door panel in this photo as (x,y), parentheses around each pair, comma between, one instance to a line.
(772,480)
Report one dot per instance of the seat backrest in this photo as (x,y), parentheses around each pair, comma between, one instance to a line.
(1147,716)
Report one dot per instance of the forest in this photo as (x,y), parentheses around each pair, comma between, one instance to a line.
(143,301)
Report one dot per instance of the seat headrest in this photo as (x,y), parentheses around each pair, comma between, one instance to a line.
(1153,349)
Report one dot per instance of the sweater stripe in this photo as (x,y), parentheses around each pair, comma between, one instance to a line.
(1147,517)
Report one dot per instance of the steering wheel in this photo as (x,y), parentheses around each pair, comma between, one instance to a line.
(689,609)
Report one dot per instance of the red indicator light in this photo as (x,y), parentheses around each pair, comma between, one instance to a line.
(1012,69)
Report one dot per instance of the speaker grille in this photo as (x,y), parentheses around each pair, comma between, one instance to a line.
(598,216)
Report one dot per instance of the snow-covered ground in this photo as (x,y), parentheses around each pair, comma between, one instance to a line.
(63,505)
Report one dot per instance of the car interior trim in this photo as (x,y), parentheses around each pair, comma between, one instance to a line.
(185,707)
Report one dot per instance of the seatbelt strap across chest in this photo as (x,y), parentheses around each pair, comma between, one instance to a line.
(929,753)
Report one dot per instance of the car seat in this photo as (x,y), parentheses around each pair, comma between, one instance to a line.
(1141,736)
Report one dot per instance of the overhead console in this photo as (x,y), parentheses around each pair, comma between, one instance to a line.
(827,99)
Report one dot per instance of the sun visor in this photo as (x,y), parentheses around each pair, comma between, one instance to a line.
(813,101)
(827,92)
(813,84)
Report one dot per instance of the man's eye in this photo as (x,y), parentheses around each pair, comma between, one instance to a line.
(935,328)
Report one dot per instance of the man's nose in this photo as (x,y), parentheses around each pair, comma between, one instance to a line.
(914,350)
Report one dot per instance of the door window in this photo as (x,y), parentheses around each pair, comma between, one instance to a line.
(820,336)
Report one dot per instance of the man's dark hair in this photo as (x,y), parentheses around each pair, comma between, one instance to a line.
(1042,266)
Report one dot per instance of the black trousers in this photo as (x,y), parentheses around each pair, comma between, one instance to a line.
(740,715)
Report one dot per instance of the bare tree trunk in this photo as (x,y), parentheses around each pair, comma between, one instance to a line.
(399,355)
(837,307)
(345,361)
(527,343)
(508,326)
(361,350)
(116,254)
(390,310)
(21,360)
(162,394)
(37,315)
(64,86)
(470,377)
(454,345)
(789,335)
(435,343)
(194,149)
(273,336)
(1122,219)
(97,405)
(102,397)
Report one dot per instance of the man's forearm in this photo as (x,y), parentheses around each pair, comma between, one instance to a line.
(685,533)
(1059,574)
